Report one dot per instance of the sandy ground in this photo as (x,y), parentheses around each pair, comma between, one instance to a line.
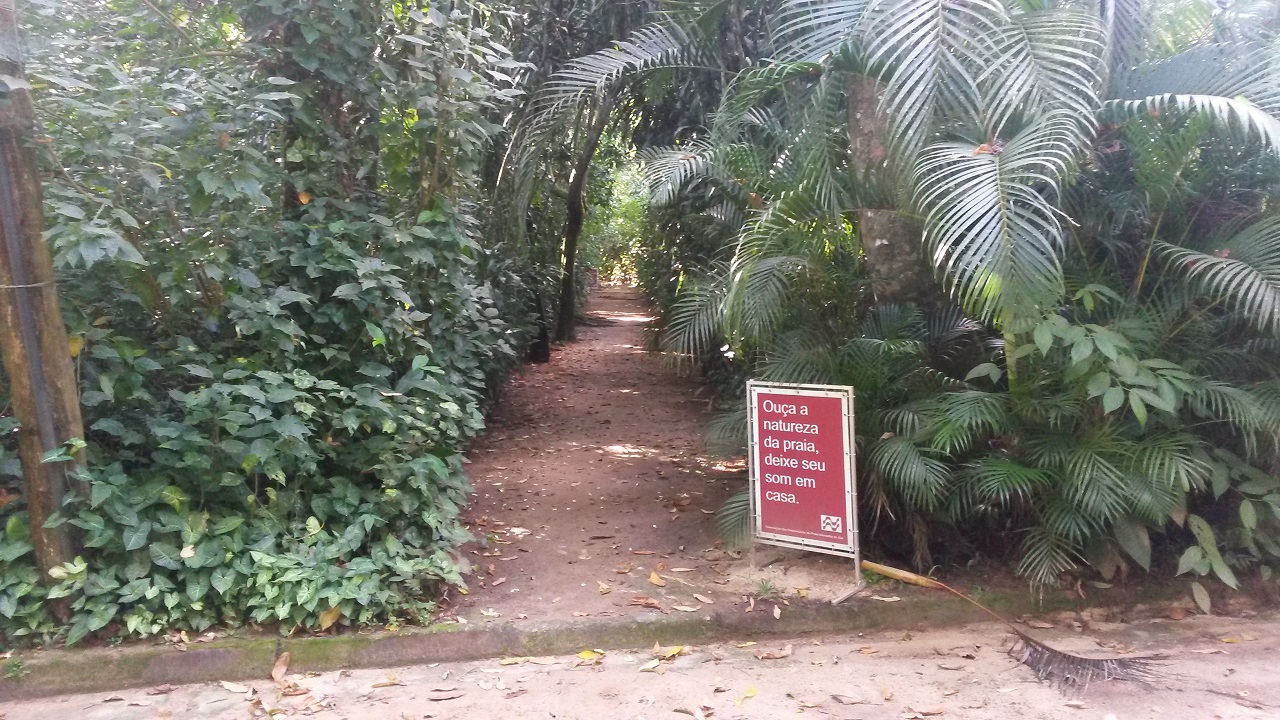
(1218,668)
(591,479)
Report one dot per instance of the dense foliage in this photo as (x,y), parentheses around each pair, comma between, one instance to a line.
(286,324)
(1084,368)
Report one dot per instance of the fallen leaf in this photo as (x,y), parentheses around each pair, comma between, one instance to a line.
(750,693)
(1211,651)
(882,598)
(1039,624)
(684,608)
(118,698)
(391,681)
(235,687)
(603,588)
(590,657)
(643,552)
(949,666)
(515,693)
(848,700)
(777,613)
(650,666)
(645,601)
(281,668)
(667,653)
(161,690)
(802,591)
(329,617)
(445,695)
(490,612)
(746,644)
(785,652)
(867,650)
(498,582)
(886,693)
(656,579)
(1077,704)
(624,568)
(681,569)
(703,599)
(931,712)
(141,703)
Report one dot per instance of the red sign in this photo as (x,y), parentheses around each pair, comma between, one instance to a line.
(802,466)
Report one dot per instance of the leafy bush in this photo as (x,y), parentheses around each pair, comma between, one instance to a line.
(285,339)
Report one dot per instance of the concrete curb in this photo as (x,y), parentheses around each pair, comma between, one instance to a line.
(58,672)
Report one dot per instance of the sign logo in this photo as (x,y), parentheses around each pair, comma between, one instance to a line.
(832,523)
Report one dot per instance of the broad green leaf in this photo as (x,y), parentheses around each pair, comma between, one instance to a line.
(1098,383)
(166,556)
(1138,407)
(136,536)
(1191,557)
(1201,596)
(1203,533)
(1135,540)
(1112,399)
(1248,515)
(222,579)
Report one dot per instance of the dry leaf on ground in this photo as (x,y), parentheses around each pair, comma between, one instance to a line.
(656,579)
(785,652)
(603,587)
(235,687)
(645,601)
(703,599)
(281,668)
(161,690)
(684,608)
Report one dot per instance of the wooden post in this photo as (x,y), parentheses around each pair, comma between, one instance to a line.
(33,338)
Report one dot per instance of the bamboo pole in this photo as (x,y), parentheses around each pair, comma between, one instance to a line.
(33,338)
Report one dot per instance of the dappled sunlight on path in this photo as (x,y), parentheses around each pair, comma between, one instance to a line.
(590,478)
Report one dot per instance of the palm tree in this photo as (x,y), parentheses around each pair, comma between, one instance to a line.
(1049,152)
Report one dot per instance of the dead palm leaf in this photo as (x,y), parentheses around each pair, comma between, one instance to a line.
(1069,672)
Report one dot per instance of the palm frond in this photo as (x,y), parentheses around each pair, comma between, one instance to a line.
(733,520)
(696,320)
(911,472)
(959,419)
(668,170)
(1243,271)
(813,30)
(803,355)
(1235,114)
(1045,556)
(993,233)
(928,52)
(1043,61)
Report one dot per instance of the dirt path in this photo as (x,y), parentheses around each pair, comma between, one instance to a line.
(1219,668)
(590,479)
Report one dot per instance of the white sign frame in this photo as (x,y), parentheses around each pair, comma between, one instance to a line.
(850,548)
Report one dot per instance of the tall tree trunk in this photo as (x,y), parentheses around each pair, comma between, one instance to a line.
(33,337)
(891,241)
(574,214)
